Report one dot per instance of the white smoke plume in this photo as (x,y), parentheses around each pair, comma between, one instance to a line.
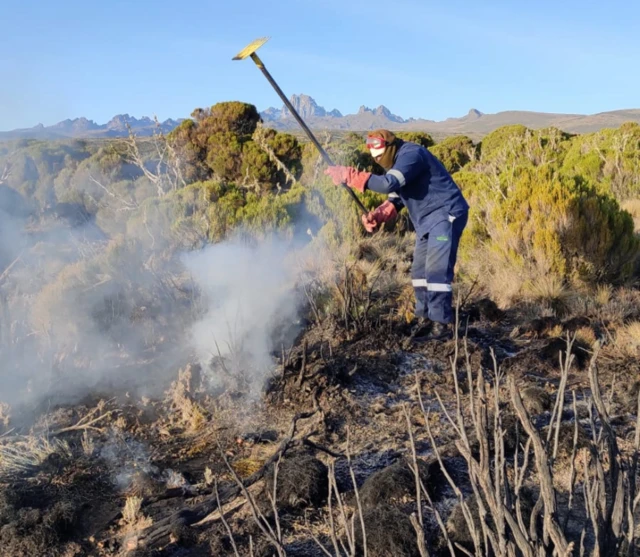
(252,307)
(94,298)
(68,308)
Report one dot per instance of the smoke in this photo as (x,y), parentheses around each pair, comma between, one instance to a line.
(252,308)
(12,218)
(81,313)
(52,290)
(128,459)
(94,297)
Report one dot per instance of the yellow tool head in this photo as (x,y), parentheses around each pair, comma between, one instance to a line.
(250,49)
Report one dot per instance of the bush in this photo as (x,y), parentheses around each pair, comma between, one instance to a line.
(511,147)
(544,224)
(234,117)
(455,152)
(219,143)
(347,150)
(609,158)
(421,138)
(205,212)
(185,141)
(287,148)
(261,215)
(500,139)
(224,156)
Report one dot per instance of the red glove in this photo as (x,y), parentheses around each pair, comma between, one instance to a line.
(355,179)
(384,213)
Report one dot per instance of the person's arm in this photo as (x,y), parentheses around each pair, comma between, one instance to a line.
(406,168)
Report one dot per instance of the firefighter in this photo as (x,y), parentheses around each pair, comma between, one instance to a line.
(414,178)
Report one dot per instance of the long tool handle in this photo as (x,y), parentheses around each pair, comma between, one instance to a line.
(313,139)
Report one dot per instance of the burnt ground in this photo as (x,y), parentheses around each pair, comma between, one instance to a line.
(124,475)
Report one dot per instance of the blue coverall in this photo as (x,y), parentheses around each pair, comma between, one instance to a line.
(439,213)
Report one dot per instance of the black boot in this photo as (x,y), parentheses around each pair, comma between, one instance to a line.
(421,327)
(419,331)
(441,331)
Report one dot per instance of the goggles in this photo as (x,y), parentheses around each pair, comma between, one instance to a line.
(376,143)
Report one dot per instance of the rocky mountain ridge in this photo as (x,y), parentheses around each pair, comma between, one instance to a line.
(85,128)
(475,123)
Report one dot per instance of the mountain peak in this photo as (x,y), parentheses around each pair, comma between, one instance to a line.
(384,111)
(83,127)
(77,125)
(119,121)
(305,106)
(474,113)
(309,109)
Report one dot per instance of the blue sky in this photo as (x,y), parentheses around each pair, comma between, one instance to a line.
(426,59)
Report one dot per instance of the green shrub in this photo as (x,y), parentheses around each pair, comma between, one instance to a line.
(454,152)
(545,225)
(224,156)
(234,117)
(609,158)
(501,139)
(219,144)
(421,138)
(205,212)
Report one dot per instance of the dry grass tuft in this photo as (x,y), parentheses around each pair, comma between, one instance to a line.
(504,286)
(133,522)
(632,206)
(88,445)
(209,478)
(406,302)
(550,291)
(617,306)
(586,335)
(131,511)
(191,414)
(357,284)
(26,453)
(498,277)
(245,467)
(507,283)
(603,294)
(628,339)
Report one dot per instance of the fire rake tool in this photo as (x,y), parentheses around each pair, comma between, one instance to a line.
(250,51)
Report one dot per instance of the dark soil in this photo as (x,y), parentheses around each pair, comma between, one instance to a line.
(396,484)
(536,400)
(389,533)
(50,511)
(302,481)
(362,390)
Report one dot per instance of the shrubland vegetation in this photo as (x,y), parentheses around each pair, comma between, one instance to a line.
(546,206)
(552,247)
(553,218)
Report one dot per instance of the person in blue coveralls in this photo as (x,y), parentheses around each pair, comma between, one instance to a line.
(414,178)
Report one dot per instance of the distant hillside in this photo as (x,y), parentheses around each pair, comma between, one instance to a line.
(84,128)
(482,124)
(474,124)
